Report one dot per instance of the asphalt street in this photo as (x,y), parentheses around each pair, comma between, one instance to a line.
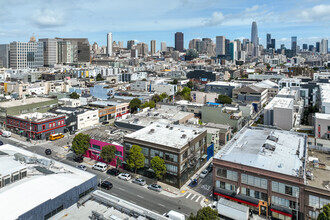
(129,191)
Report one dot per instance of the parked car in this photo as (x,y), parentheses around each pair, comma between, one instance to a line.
(113,172)
(213,205)
(155,187)
(105,185)
(82,167)
(125,176)
(1,143)
(203,173)
(139,181)
(100,166)
(105,123)
(210,167)
(78,159)
(0,132)
(48,151)
(6,134)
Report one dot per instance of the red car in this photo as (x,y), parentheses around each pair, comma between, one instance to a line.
(0,132)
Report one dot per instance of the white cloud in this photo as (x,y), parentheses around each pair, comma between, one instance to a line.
(216,19)
(317,13)
(46,18)
(253,8)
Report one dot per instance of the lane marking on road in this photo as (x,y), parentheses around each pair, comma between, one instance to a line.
(121,189)
(193,197)
(160,204)
(140,196)
(132,202)
(188,196)
(198,198)
(114,194)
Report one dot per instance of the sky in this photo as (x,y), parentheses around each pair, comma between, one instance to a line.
(145,20)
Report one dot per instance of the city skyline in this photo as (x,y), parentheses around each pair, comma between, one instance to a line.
(308,20)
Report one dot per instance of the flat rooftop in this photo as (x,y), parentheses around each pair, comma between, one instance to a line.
(163,115)
(38,117)
(322,116)
(107,134)
(38,187)
(280,102)
(175,136)
(110,207)
(222,83)
(320,171)
(268,149)
(14,103)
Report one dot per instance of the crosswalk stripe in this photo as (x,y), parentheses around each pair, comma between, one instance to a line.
(198,198)
(188,196)
(193,197)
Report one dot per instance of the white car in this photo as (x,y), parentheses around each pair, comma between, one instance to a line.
(124,176)
(203,173)
(213,205)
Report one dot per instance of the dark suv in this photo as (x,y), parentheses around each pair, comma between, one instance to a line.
(113,172)
(106,185)
(78,159)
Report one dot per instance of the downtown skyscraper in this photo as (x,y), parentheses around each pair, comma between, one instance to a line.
(179,42)
(109,44)
(255,39)
(220,45)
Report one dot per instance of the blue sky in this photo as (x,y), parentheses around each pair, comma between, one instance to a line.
(145,20)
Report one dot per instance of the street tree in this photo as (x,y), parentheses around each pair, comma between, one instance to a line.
(175,82)
(74,95)
(325,214)
(135,158)
(150,104)
(156,98)
(118,162)
(80,143)
(190,84)
(134,104)
(158,165)
(99,77)
(108,153)
(223,99)
(163,96)
(205,213)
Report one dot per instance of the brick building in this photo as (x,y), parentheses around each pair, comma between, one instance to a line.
(37,126)
(269,171)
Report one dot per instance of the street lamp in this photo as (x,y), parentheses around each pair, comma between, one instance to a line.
(30,128)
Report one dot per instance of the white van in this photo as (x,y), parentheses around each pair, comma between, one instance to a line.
(173,215)
(100,166)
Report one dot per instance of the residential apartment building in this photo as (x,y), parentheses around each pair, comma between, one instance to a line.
(4,55)
(322,126)
(280,113)
(184,152)
(50,51)
(26,55)
(169,89)
(222,88)
(203,97)
(87,118)
(251,94)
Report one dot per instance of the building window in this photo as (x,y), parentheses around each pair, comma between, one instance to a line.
(154,153)
(43,127)
(228,174)
(118,153)
(171,169)
(224,185)
(285,189)
(254,181)
(171,157)
(96,147)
